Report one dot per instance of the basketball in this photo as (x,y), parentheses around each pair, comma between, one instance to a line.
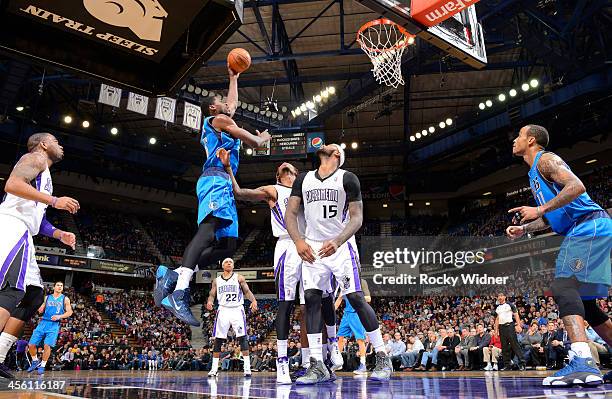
(239,60)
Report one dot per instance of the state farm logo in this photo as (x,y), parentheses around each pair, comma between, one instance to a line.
(143,17)
(433,12)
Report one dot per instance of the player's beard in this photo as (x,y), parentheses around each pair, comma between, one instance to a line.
(323,151)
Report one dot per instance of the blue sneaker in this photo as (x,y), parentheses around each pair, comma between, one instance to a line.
(165,281)
(608,377)
(178,303)
(579,371)
(34,365)
(41,370)
(361,369)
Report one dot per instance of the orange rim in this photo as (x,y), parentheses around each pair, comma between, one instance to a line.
(384,21)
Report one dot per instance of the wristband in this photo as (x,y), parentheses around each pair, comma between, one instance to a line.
(53,202)
(539,211)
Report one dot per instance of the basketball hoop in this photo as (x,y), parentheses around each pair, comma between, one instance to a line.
(384,42)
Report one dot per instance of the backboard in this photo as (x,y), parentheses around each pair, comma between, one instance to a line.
(460,35)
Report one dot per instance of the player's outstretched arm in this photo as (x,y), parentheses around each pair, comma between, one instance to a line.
(232,94)
(211,296)
(553,168)
(224,123)
(260,194)
(247,292)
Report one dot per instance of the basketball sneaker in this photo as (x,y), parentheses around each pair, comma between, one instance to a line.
(5,371)
(282,371)
(179,304)
(316,373)
(608,377)
(361,369)
(336,357)
(212,373)
(383,369)
(34,365)
(298,373)
(41,370)
(165,281)
(579,371)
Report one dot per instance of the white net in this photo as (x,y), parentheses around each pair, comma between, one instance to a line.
(385,43)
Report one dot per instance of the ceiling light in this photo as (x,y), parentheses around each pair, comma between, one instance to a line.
(152,141)
(303,108)
(253,211)
(166,209)
(274,115)
(449,121)
(284,109)
(410,204)
(249,151)
(427,203)
(19,108)
(489,103)
(204,92)
(591,161)
(442,125)
(317,98)
(424,132)
(534,83)
(412,138)
(418,135)
(244,105)
(513,93)
(354,145)
(256,109)
(331,89)
(268,113)
(411,40)
(481,106)
(432,129)
(525,87)
(343,146)
(114,131)
(385,206)
(298,112)
(85,124)
(280,117)
(67,119)
(487,193)
(502,97)
(190,88)
(250,107)
(198,90)
(310,105)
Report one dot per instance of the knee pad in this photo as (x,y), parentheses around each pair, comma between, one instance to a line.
(593,313)
(244,343)
(218,343)
(313,298)
(282,319)
(364,311)
(565,291)
(33,298)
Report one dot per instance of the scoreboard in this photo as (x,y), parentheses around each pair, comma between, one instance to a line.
(291,145)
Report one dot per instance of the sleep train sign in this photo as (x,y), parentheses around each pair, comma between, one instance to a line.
(122,37)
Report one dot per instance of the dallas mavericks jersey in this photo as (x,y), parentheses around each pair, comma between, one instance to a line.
(229,292)
(563,219)
(325,205)
(53,307)
(213,140)
(29,212)
(277,214)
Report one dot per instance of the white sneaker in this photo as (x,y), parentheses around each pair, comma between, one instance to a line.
(495,367)
(336,356)
(488,367)
(212,373)
(282,371)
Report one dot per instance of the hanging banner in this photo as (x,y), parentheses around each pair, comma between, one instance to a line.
(138,103)
(165,109)
(192,117)
(110,95)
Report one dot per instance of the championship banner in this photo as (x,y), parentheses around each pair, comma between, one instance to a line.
(165,109)
(433,12)
(110,95)
(138,103)
(192,117)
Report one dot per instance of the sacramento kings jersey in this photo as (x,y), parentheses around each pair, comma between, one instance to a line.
(53,307)
(229,292)
(326,202)
(29,212)
(213,140)
(277,214)
(564,218)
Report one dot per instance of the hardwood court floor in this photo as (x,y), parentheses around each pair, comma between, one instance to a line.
(192,384)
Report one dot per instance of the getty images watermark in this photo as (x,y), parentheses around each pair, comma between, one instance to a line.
(440,265)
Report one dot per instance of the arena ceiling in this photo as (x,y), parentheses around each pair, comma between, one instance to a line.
(298,49)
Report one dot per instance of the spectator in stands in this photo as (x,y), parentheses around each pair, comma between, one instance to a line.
(446,355)
(432,355)
(397,348)
(530,343)
(465,343)
(557,347)
(482,340)
(491,353)
(596,343)
(411,356)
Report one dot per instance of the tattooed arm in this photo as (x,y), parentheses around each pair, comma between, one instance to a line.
(247,292)
(29,166)
(553,168)
(211,295)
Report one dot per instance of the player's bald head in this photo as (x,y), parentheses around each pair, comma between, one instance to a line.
(37,138)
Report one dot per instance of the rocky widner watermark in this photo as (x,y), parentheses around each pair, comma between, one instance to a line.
(440,265)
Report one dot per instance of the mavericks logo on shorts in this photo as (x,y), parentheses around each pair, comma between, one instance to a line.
(213,205)
(576,264)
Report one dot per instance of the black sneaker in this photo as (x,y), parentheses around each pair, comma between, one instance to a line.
(5,372)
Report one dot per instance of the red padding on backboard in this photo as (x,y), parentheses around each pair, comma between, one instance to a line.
(432,12)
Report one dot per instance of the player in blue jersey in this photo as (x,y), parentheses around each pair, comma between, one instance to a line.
(217,215)
(582,270)
(55,308)
(351,326)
